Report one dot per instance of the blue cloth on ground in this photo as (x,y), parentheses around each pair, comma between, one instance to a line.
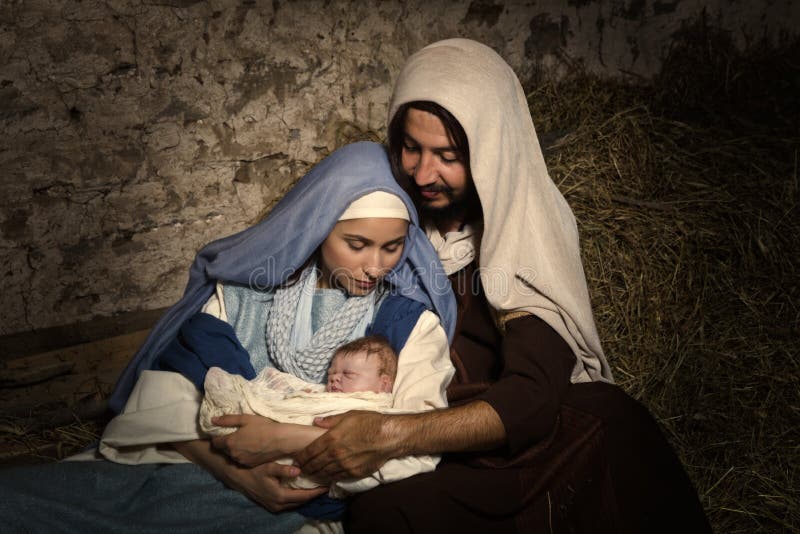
(106,497)
(266,254)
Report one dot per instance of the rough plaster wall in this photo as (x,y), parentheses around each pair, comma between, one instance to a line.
(131,133)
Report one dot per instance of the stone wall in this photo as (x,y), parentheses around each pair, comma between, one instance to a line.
(133,132)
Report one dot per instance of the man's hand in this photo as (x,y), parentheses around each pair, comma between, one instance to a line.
(356,444)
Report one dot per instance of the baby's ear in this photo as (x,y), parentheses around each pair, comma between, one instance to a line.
(386,384)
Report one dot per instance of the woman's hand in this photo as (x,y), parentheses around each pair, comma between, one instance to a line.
(262,484)
(256,441)
(356,444)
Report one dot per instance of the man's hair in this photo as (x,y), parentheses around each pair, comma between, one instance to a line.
(373,346)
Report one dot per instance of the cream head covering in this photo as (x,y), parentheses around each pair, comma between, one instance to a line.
(529,252)
(376,204)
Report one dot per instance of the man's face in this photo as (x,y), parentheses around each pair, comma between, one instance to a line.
(431,160)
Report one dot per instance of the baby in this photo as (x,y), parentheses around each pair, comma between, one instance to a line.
(360,377)
(364,364)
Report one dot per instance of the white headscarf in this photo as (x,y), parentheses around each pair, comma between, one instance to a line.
(376,204)
(529,253)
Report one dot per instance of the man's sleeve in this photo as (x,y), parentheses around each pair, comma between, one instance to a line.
(536,368)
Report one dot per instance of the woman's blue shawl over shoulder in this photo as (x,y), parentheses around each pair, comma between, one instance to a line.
(266,254)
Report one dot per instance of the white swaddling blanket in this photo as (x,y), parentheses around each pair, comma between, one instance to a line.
(284,398)
(280,396)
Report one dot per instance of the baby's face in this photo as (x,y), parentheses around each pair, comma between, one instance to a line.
(356,372)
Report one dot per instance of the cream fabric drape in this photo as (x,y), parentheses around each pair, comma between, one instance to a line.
(529,253)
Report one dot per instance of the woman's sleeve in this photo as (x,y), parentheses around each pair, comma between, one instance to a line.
(161,409)
(164,405)
(423,372)
(424,369)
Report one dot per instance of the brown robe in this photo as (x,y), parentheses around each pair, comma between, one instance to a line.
(578,458)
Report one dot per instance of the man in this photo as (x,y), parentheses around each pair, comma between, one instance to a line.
(536,437)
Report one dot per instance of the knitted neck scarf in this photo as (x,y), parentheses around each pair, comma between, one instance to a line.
(290,342)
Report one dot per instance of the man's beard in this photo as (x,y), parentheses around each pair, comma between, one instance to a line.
(463,207)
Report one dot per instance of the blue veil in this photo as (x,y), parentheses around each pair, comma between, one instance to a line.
(266,254)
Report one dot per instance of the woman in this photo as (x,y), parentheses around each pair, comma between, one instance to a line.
(261,285)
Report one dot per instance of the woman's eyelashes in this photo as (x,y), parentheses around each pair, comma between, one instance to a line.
(361,245)
(393,246)
(356,245)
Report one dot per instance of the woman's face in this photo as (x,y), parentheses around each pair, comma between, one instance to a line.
(358,253)
(429,157)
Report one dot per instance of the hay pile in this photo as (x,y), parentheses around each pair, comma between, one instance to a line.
(686,192)
(26,442)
